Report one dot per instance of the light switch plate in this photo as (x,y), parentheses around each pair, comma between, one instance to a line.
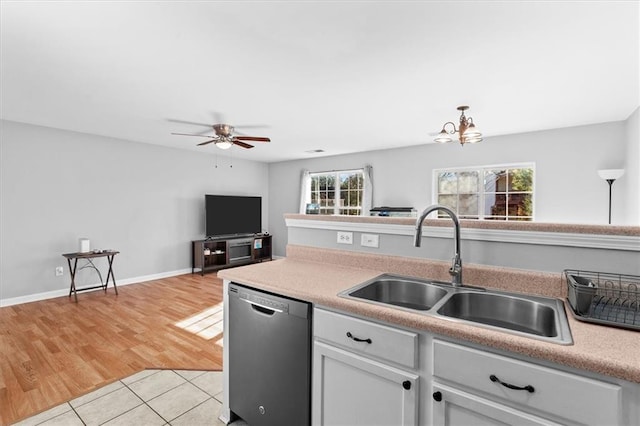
(370,240)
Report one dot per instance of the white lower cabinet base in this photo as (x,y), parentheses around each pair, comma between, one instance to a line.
(360,366)
(458,408)
(350,390)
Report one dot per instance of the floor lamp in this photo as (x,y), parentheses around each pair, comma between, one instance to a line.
(610,175)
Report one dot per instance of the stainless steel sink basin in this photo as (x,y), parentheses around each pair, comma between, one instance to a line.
(398,291)
(514,313)
(537,317)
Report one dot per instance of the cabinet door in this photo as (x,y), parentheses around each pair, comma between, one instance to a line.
(352,390)
(452,407)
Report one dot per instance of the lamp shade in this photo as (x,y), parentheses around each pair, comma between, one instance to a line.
(612,174)
(472,132)
(443,137)
(472,140)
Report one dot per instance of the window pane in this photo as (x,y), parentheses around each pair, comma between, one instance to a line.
(468,205)
(350,181)
(495,181)
(450,201)
(521,180)
(355,198)
(468,182)
(447,183)
(495,205)
(520,205)
(350,212)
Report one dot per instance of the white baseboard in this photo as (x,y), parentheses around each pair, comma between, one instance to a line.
(65,292)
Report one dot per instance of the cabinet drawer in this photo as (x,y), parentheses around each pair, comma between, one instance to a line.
(566,395)
(378,341)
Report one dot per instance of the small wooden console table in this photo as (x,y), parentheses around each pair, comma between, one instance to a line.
(88,257)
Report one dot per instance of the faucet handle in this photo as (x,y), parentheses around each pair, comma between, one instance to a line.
(456,271)
(455,267)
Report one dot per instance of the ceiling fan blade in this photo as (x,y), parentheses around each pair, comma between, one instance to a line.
(251,126)
(208,142)
(190,134)
(252,138)
(188,122)
(242,144)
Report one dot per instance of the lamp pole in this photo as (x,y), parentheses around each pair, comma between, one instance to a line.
(610,176)
(610,182)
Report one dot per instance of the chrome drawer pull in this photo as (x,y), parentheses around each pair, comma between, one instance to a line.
(528,388)
(352,337)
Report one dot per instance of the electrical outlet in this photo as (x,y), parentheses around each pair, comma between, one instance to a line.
(370,240)
(59,271)
(345,237)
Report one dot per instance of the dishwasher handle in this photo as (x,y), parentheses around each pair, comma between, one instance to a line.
(269,310)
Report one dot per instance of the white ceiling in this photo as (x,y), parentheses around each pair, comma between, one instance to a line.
(338,76)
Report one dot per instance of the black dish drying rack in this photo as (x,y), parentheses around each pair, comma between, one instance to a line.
(604,298)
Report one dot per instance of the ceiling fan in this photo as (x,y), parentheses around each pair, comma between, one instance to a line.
(224,137)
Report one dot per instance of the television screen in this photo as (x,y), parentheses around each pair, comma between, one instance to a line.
(232,215)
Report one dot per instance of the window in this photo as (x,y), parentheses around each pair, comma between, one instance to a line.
(488,193)
(338,192)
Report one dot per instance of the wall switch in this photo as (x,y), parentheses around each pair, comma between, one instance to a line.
(59,271)
(370,240)
(345,237)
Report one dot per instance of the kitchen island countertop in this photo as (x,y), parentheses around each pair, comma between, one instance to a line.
(319,275)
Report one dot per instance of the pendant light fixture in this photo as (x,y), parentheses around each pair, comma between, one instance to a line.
(467,131)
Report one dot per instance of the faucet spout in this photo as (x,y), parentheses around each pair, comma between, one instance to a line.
(456,268)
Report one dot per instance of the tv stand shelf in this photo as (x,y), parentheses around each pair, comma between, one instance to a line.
(218,253)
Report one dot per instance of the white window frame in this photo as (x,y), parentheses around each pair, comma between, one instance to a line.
(481,194)
(336,204)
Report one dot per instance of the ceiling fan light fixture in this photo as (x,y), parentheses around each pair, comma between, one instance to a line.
(224,144)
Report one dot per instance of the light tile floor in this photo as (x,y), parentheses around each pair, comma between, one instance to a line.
(151,397)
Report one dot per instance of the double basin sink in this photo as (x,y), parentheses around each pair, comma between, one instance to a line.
(537,317)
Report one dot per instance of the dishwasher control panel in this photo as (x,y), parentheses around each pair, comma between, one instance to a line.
(261,299)
(264,302)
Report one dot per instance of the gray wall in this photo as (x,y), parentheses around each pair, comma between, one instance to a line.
(568,188)
(629,184)
(144,200)
(535,257)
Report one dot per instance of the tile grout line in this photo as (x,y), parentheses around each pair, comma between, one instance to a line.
(78,414)
(146,402)
(191,409)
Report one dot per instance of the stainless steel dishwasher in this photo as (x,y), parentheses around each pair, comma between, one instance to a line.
(269,358)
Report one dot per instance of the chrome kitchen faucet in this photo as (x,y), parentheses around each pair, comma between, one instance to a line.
(456,268)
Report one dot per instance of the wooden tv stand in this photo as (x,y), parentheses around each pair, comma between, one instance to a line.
(218,253)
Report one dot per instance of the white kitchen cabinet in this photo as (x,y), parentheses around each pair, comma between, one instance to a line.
(453,407)
(354,381)
(497,386)
(352,390)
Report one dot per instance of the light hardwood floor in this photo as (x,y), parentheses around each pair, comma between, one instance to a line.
(55,350)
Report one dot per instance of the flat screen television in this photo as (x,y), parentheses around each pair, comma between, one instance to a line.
(227,215)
